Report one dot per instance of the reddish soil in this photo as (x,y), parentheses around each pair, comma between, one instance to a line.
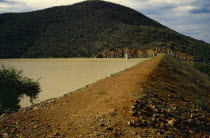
(99,110)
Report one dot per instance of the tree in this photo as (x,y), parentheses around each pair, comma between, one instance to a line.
(12,86)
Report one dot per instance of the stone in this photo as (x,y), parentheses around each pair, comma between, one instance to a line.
(35,108)
(3,115)
(134,113)
(102,125)
(129,123)
(56,134)
(169,136)
(6,135)
(35,127)
(109,128)
(171,122)
(161,132)
(144,123)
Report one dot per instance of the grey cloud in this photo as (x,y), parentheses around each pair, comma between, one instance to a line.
(202,6)
(157,9)
(196,26)
(201,10)
(192,23)
(5,1)
(14,7)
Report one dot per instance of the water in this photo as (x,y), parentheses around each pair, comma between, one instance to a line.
(60,76)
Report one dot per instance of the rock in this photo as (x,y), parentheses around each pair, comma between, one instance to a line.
(171,122)
(56,134)
(53,101)
(191,131)
(130,123)
(144,123)
(35,127)
(133,107)
(134,133)
(161,132)
(35,108)
(169,111)
(169,136)
(102,125)
(3,115)
(189,120)
(6,135)
(109,128)
(134,113)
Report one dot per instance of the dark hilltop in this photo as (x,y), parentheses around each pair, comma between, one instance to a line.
(92,28)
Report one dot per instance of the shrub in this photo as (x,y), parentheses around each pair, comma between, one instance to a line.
(12,86)
(205,68)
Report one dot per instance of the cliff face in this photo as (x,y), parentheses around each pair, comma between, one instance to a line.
(137,53)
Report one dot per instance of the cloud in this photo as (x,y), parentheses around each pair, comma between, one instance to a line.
(198,10)
(3,1)
(31,5)
(40,4)
(190,17)
(190,25)
(12,6)
(201,6)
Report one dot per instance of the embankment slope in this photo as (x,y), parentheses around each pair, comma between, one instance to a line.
(103,109)
(175,100)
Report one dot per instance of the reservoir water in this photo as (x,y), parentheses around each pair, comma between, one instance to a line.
(60,76)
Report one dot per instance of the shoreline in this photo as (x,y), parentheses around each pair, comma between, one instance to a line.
(45,103)
(59,78)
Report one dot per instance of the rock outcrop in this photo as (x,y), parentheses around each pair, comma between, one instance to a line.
(137,53)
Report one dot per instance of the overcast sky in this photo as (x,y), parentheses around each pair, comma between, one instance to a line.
(189,17)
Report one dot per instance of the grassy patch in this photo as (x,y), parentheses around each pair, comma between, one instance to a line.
(114,74)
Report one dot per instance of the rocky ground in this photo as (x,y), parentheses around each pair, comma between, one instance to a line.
(119,106)
(175,101)
(169,119)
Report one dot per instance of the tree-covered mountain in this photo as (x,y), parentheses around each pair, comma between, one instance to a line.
(86,28)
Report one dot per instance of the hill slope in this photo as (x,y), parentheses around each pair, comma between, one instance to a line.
(142,101)
(84,29)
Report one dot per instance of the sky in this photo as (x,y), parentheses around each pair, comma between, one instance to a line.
(189,17)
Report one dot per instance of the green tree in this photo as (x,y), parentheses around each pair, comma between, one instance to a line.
(12,86)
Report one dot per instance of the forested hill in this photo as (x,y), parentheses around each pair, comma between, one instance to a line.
(86,28)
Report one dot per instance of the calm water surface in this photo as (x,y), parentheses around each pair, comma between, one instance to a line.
(60,76)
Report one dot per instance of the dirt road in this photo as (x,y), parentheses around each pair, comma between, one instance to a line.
(99,110)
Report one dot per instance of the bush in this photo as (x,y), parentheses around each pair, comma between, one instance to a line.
(205,68)
(12,86)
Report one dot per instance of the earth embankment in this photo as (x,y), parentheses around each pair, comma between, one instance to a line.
(143,100)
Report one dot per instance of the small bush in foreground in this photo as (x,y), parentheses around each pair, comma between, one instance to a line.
(12,86)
